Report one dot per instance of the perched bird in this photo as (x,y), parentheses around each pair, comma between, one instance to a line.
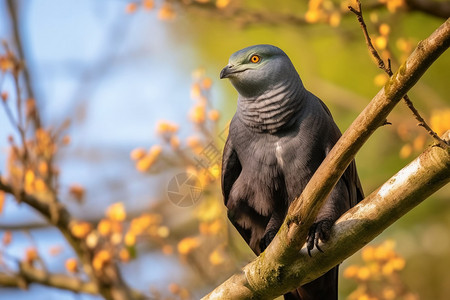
(277,139)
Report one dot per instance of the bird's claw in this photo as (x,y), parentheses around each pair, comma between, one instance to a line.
(319,231)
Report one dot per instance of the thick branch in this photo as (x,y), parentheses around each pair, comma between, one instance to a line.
(266,276)
(29,274)
(405,190)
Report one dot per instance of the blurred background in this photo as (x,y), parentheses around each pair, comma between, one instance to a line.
(129,94)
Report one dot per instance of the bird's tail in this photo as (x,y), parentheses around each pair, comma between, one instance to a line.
(322,288)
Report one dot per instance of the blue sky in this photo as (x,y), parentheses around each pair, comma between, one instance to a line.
(114,75)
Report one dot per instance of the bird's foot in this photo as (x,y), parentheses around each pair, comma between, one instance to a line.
(267,238)
(319,231)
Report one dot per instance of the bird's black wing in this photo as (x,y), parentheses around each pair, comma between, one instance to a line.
(350,176)
(231,168)
(354,187)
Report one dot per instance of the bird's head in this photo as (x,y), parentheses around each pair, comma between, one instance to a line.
(257,69)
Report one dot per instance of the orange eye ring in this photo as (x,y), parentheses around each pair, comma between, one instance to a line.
(255,59)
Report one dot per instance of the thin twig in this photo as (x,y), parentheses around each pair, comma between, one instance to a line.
(387,69)
(14,17)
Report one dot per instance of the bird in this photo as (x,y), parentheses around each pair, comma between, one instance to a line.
(278,137)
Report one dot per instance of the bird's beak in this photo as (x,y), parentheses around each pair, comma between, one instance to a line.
(226,71)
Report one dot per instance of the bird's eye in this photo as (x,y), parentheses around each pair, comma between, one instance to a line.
(255,58)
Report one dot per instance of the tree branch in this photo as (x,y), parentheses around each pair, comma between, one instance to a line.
(18,42)
(244,16)
(110,284)
(280,268)
(439,9)
(28,274)
(387,70)
(357,227)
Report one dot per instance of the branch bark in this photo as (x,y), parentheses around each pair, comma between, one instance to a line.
(280,268)
(387,70)
(29,274)
(110,286)
(439,9)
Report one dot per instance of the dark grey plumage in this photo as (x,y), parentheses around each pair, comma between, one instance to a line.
(277,139)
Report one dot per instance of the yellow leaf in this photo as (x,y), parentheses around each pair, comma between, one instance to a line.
(335,19)
(419,142)
(398,263)
(206,83)
(163,231)
(213,115)
(363,273)
(368,253)
(131,8)
(6,64)
(312,16)
(196,91)
(351,271)
(405,151)
(193,142)
(101,258)
(167,249)
(166,12)
(30,255)
(124,255)
(387,269)
(2,200)
(80,229)
(137,153)
(174,288)
(104,227)
(380,79)
(384,29)
(40,185)
(148,4)
(164,127)
(29,181)
(77,191)
(144,164)
(197,114)
(92,239)
(389,293)
(55,250)
(381,42)
(7,238)
(440,121)
(4,96)
(175,142)
(216,257)
(66,140)
(116,212)
(130,239)
(43,168)
(222,3)
(186,245)
(72,265)
(210,228)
